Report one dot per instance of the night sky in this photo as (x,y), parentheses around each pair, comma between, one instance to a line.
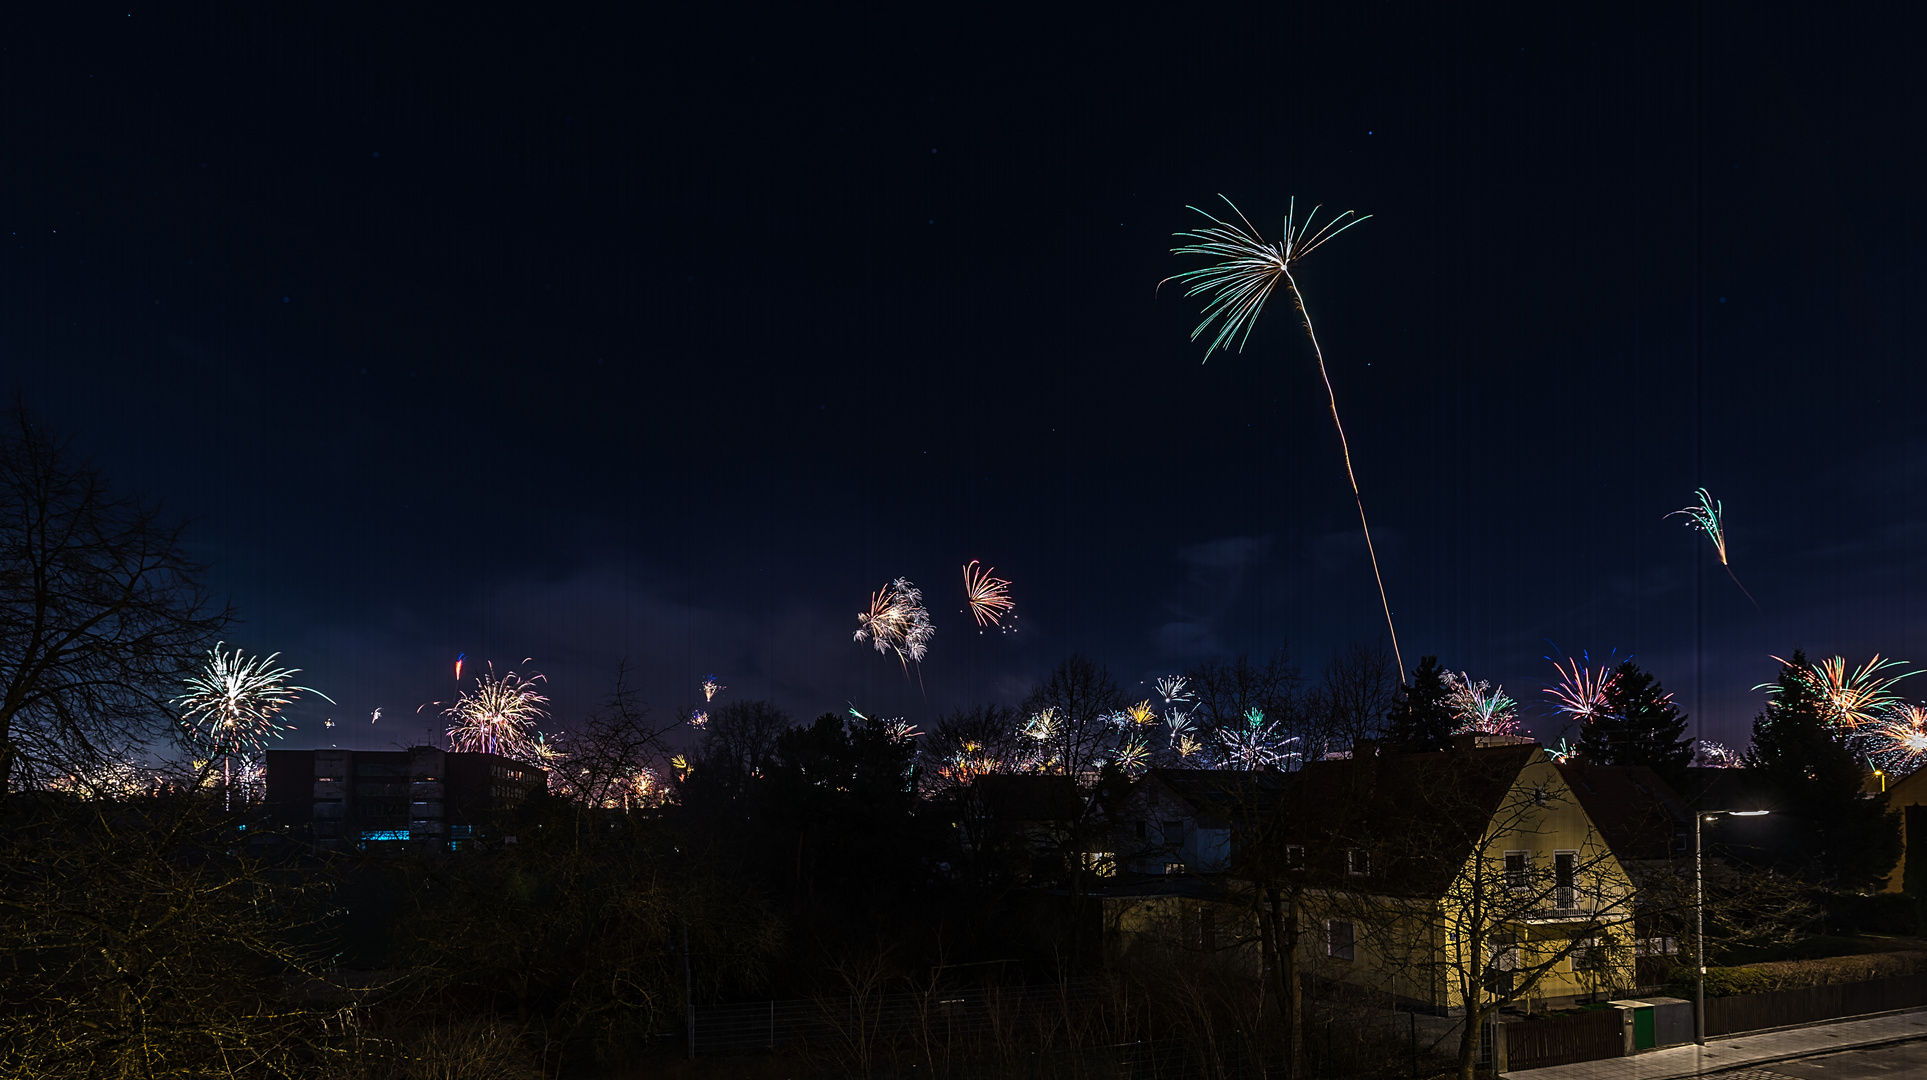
(669,333)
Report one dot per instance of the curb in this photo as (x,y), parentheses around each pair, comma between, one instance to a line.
(1792,1055)
(1817,1052)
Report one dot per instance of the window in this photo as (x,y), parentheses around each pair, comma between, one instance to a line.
(1174,868)
(1338,939)
(1565,869)
(1358,863)
(1294,856)
(1173,832)
(1655,946)
(1518,870)
(1101,863)
(1586,957)
(1207,928)
(1140,829)
(1503,952)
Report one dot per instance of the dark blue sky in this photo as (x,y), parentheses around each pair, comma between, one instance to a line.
(670,335)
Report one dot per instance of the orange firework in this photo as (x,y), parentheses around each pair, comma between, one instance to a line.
(989,597)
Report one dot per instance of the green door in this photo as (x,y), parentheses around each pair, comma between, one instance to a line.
(1643,1028)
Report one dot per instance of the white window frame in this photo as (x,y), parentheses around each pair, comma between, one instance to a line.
(1523,880)
(1358,862)
(1351,940)
(1569,892)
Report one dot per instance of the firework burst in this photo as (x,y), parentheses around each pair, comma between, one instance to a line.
(1254,743)
(1142,714)
(1897,743)
(1860,696)
(1133,756)
(1480,707)
(233,704)
(1709,517)
(698,719)
(1708,754)
(988,597)
(1562,753)
(711,688)
(1582,689)
(1245,272)
(499,716)
(897,622)
(1175,688)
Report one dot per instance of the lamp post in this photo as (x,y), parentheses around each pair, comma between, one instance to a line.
(1699,916)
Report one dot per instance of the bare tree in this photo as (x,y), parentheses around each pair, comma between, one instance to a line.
(1081,697)
(145,941)
(1352,698)
(1226,692)
(739,740)
(101,612)
(613,759)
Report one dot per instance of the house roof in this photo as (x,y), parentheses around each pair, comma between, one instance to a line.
(1221,795)
(1419,814)
(1639,815)
(1029,797)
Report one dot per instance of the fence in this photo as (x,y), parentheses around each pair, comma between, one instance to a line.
(880,1019)
(1562,1040)
(1752,1012)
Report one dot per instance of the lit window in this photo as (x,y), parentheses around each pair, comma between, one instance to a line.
(1101,863)
(1174,868)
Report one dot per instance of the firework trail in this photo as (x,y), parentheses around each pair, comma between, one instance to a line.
(499,716)
(698,719)
(897,622)
(988,597)
(458,666)
(1897,743)
(1480,707)
(1562,753)
(711,688)
(1247,271)
(1582,689)
(376,715)
(1254,743)
(1709,517)
(1854,698)
(233,704)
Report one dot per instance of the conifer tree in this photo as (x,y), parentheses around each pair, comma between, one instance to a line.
(1638,724)
(1825,822)
(1420,720)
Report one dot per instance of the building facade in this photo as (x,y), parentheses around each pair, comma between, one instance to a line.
(348,799)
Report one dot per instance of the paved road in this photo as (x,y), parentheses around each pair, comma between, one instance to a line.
(1904,1061)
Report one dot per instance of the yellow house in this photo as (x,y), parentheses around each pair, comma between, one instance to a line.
(1436,878)
(1468,875)
(1908,798)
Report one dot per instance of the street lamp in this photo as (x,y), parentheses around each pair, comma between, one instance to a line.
(1699,916)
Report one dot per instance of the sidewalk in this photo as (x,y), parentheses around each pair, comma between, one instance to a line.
(1741,1051)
